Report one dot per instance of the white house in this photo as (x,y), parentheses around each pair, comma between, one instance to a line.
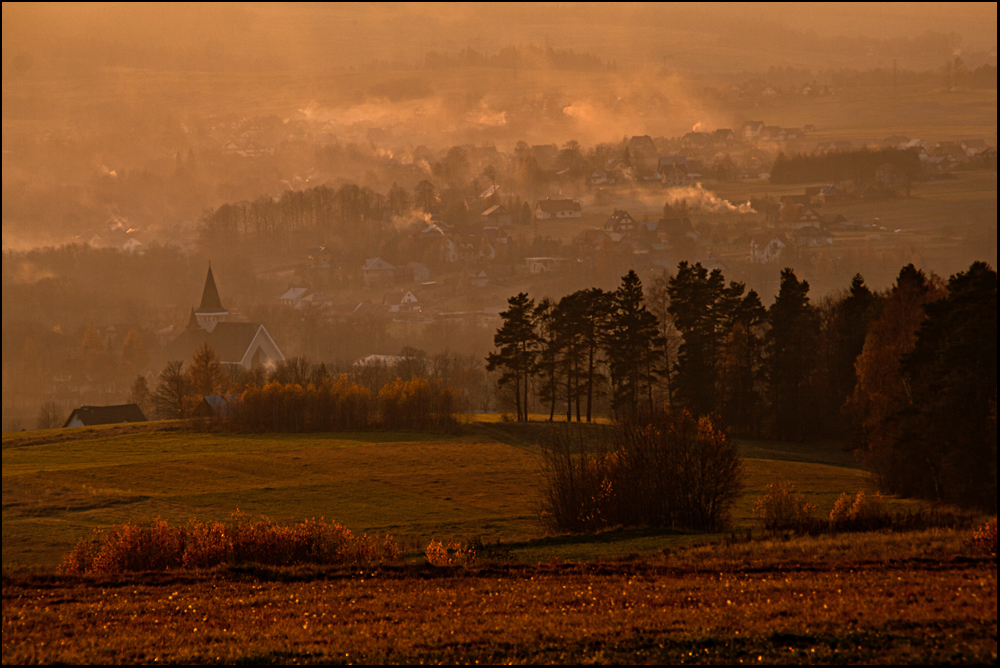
(401,301)
(547,209)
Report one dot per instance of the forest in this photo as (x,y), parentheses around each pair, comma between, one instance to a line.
(908,374)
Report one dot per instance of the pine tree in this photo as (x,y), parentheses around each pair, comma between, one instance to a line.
(791,346)
(949,430)
(550,342)
(517,349)
(633,347)
(742,365)
(700,305)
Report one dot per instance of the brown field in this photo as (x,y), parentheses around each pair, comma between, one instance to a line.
(887,598)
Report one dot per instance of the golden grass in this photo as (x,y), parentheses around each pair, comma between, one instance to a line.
(892,598)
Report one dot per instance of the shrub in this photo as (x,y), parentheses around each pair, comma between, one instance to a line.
(782,508)
(157,546)
(860,513)
(984,539)
(452,554)
(670,470)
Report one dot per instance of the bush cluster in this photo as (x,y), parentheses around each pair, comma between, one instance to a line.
(341,405)
(863,512)
(782,508)
(667,470)
(984,538)
(157,546)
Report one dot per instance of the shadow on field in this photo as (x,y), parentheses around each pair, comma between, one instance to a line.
(532,434)
(603,538)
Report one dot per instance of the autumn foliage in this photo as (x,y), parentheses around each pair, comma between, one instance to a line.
(341,405)
(668,470)
(157,546)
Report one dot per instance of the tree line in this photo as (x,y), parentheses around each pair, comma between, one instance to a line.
(908,374)
(859,166)
(299,396)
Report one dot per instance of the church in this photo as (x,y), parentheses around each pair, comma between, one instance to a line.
(246,344)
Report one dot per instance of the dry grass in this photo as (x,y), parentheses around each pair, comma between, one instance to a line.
(806,600)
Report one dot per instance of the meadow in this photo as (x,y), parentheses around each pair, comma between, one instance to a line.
(482,481)
(627,595)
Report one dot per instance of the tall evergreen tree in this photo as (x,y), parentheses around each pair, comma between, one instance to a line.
(791,344)
(742,370)
(550,352)
(854,314)
(517,349)
(633,346)
(949,430)
(702,307)
(592,312)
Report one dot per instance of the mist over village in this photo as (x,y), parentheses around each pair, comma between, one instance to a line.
(556,333)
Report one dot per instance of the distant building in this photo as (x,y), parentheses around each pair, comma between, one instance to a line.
(546,209)
(496,216)
(247,344)
(620,222)
(87,416)
(376,271)
(401,301)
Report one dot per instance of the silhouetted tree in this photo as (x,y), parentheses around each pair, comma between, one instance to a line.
(791,358)
(632,347)
(205,372)
(517,349)
(949,428)
(173,391)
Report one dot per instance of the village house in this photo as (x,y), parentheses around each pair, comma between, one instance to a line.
(376,271)
(619,223)
(751,129)
(812,237)
(401,301)
(544,265)
(495,216)
(600,177)
(546,209)
(292,296)
(643,152)
(765,250)
(87,416)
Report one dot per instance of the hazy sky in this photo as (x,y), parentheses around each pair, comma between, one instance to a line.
(312,36)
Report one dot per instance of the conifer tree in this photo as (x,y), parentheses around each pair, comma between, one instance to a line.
(791,346)
(633,347)
(516,342)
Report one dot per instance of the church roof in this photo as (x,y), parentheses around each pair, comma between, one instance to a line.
(210,302)
(229,340)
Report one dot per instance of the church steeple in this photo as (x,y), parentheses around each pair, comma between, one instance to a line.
(211,310)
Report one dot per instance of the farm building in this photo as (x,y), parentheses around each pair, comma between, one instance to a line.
(87,416)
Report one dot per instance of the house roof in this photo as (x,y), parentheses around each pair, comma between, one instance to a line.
(210,302)
(375,263)
(396,298)
(496,208)
(672,160)
(91,415)
(294,294)
(553,205)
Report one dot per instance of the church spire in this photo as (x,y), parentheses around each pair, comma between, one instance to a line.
(211,311)
(210,302)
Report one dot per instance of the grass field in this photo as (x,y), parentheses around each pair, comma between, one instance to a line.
(483,481)
(636,595)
